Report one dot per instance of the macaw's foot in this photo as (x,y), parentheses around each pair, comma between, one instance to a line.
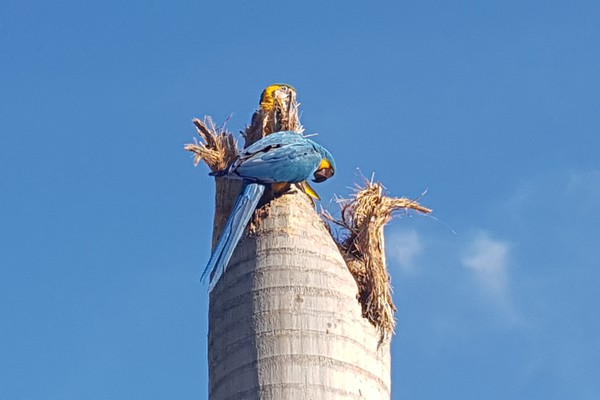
(281,188)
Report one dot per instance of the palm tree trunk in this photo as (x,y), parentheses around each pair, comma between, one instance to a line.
(284,319)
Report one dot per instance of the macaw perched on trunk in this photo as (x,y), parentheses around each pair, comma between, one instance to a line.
(281,157)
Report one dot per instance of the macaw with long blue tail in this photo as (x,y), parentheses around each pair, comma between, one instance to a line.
(281,157)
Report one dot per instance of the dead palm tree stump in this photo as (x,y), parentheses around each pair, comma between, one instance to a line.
(284,320)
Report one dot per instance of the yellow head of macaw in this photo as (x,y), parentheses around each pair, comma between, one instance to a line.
(267,98)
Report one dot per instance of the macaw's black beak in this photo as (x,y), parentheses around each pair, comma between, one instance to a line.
(323,174)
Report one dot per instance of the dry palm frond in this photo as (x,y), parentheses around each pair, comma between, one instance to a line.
(219,147)
(363,218)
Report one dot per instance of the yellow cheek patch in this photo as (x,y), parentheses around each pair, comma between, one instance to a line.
(267,99)
(324,164)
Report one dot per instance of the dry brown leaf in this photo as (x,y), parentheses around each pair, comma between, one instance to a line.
(363,218)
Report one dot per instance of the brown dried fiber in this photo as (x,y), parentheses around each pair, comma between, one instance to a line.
(363,218)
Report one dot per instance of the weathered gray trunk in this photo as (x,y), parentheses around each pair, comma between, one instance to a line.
(284,319)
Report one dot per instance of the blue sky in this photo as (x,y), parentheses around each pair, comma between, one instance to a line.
(493,107)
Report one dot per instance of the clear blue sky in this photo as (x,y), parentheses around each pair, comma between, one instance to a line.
(494,107)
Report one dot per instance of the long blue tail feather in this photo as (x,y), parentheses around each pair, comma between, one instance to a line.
(234,228)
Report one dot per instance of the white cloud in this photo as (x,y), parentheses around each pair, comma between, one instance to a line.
(488,260)
(403,248)
(554,216)
(583,189)
(573,191)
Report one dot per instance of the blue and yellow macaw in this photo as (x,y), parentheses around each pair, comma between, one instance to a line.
(281,157)
(267,97)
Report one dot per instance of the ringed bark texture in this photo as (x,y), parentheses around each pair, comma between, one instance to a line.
(284,319)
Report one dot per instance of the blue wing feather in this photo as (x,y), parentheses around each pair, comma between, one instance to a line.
(274,139)
(280,157)
(289,163)
(232,232)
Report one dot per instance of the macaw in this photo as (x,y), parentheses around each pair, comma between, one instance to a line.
(267,98)
(281,157)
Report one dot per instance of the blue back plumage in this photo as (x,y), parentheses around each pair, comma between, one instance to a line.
(284,156)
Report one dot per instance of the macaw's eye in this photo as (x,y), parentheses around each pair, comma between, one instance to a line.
(323,174)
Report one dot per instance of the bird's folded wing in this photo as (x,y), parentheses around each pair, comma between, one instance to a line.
(234,228)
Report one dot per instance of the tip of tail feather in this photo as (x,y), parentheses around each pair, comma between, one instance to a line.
(234,228)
